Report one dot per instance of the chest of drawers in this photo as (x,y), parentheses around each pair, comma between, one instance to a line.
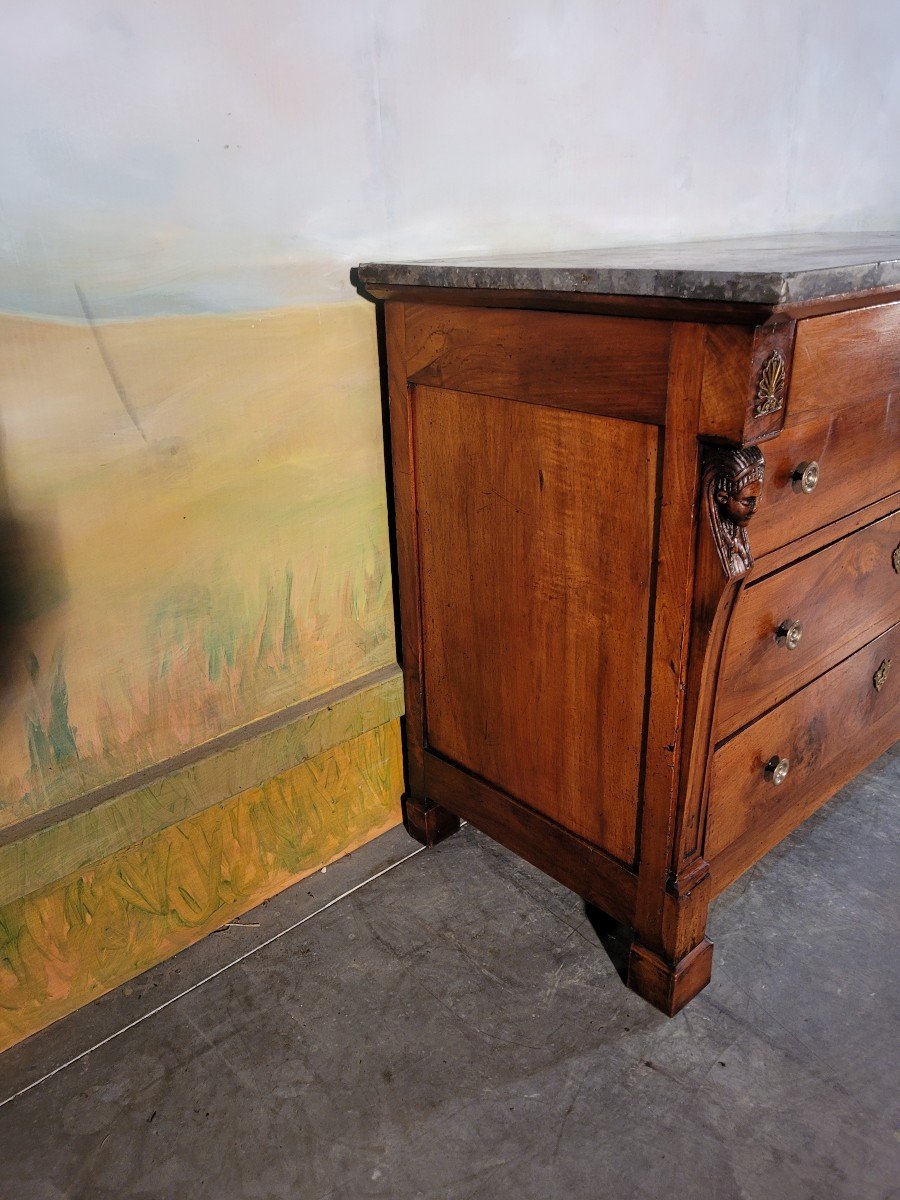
(646,514)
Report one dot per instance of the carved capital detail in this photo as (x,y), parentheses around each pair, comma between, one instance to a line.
(770,385)
(732,483)
(681,886)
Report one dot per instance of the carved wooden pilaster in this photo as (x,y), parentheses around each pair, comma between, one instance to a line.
(732,483)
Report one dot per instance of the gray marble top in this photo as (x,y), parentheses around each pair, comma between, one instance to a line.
(774,269)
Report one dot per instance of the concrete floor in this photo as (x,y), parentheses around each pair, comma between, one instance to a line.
(454,1030)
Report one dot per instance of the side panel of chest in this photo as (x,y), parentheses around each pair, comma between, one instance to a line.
(536,581)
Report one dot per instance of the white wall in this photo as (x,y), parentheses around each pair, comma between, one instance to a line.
(226,154)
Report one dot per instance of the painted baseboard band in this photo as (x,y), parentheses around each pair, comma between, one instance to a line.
(40,850)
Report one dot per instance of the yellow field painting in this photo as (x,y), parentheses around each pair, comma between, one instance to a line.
(197,534)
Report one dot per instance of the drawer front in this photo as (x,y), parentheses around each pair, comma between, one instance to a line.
(817,731)
(857,452)
(792,625)
(844,359)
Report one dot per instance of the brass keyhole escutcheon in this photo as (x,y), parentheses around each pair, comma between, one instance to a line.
(879,679)
(788,634)
(776,770)
(895,560)
(805,477)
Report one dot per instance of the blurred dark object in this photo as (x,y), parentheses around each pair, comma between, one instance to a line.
(31,580)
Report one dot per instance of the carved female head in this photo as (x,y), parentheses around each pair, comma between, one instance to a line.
(738,487)
(732,483)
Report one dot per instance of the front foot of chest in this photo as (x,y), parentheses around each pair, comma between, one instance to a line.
(669,986)
(428,825)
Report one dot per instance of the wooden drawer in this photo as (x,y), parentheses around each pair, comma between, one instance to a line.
(844,359)
(820,731)
(842,597)
(858,455)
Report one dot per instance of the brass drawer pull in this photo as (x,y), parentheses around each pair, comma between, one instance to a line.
(895,560)
(788,634)
(879,679)
(777,769)
(805,477)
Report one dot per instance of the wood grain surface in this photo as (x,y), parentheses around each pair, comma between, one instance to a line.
(818,730)
(843,596)
(596,876)
(606,365)
(535,669)
(403,474)
(845,359)
(858,452)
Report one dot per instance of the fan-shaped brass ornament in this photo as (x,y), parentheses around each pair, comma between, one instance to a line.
(770,385)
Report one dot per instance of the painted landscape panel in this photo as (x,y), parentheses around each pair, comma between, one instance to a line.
(195,534)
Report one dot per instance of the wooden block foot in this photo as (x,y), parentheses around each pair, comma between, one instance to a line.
(669,986)
(428,825)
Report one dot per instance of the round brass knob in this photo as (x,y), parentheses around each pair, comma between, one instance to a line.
(805,477)
(777,769)
(788,634)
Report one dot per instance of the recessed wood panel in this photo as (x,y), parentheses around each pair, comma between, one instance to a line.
(536,529)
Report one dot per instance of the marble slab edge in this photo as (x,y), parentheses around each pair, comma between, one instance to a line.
(749,287)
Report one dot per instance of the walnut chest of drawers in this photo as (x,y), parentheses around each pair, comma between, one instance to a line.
(648,541)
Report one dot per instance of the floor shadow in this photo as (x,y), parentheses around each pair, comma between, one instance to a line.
(614,937)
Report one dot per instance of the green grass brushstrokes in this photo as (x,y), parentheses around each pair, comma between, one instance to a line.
(221,658)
